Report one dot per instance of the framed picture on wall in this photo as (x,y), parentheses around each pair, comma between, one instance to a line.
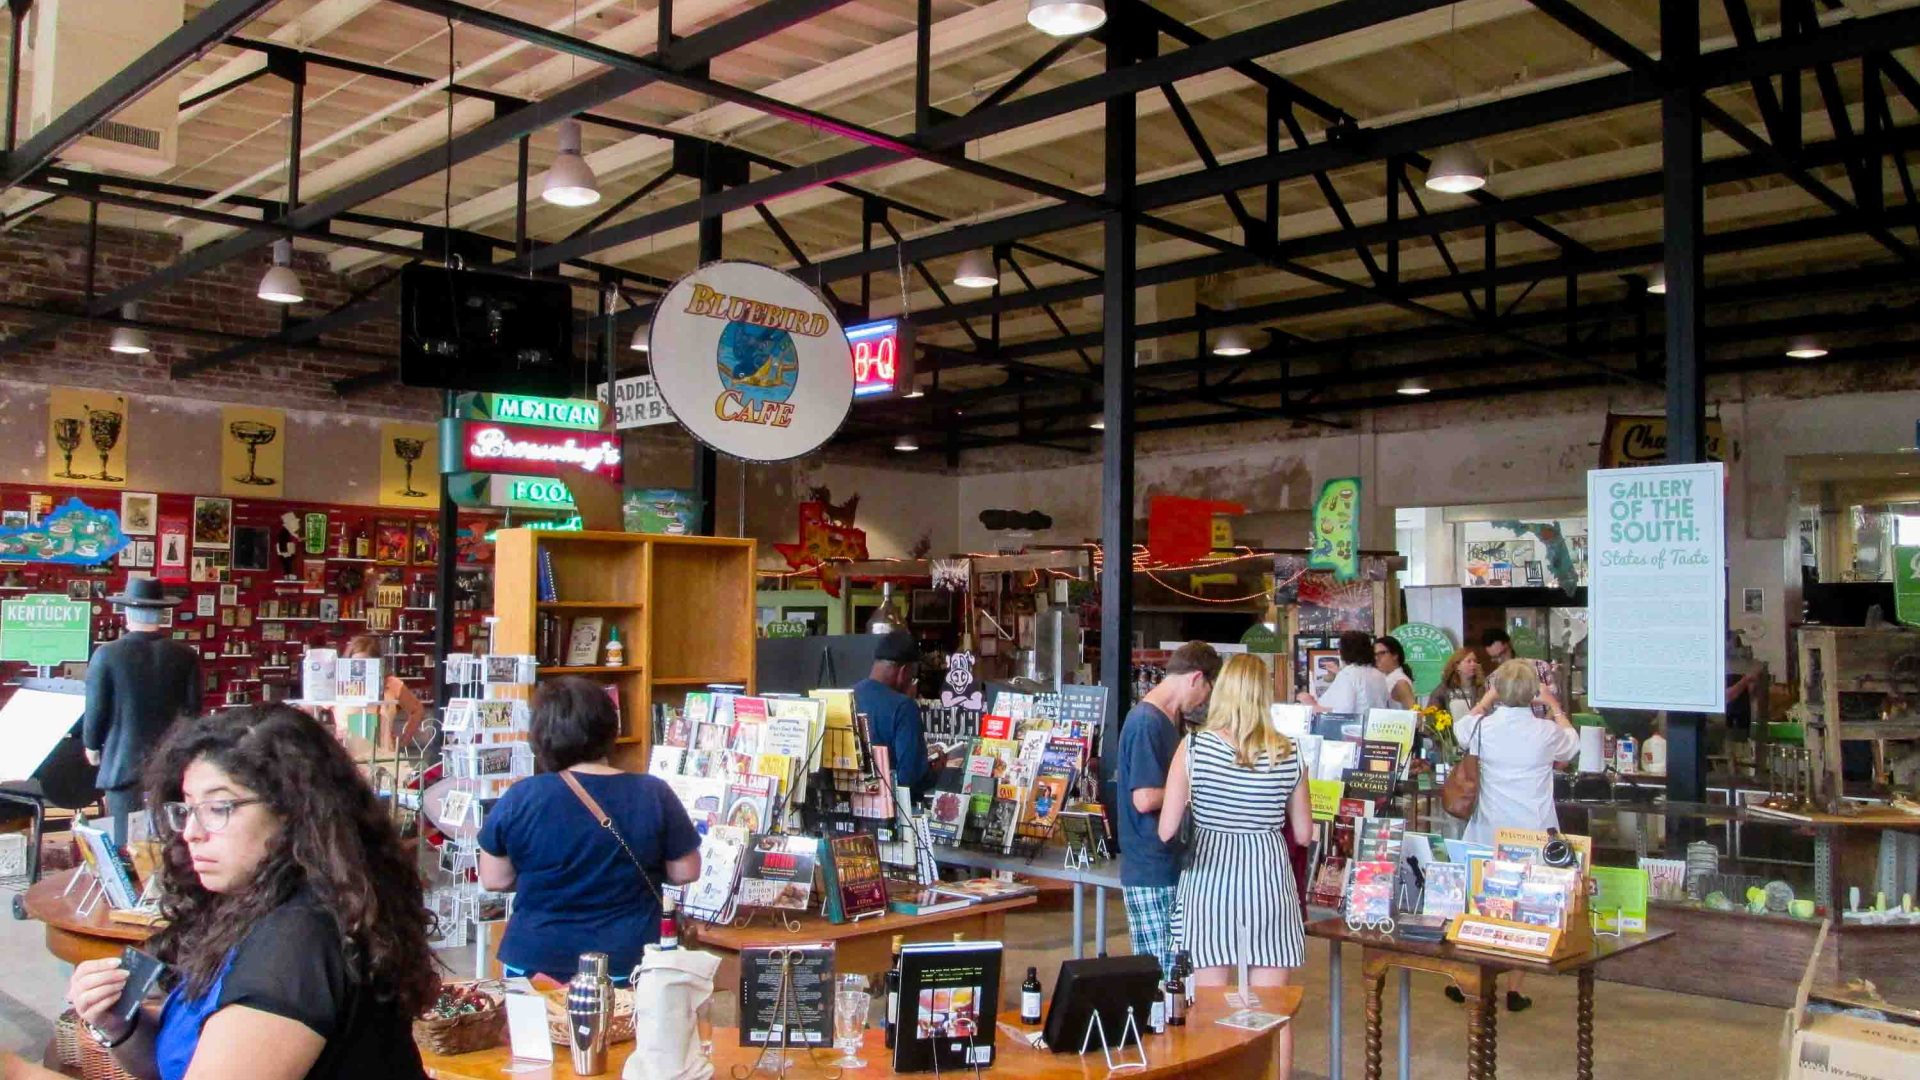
(1322,666)
(426,543)
(392,542)
(143,554)
(252,547)
(139,513)
(933,607)
(212,522)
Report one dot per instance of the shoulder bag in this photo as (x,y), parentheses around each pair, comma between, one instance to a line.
(1461,792)
(606,822)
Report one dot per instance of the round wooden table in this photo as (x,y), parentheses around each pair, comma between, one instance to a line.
(1201,1048)
(71,936)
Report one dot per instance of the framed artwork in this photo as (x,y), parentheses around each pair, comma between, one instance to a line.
(273,631)
(392,541)
(212,522)
(86,438)
(253,450)
(329,608)
(1322,666)
(315,528)
(932,606)
(229,595)
(143,557)
(243,617)
(13,519)
(226,616)
(313,575)
(252,547)
(409,461)
(203,604)
(139,513)
(426,543)
(129,556)
(79,590)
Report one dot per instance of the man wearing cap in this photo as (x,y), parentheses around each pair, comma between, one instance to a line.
(885,696)
(137,687)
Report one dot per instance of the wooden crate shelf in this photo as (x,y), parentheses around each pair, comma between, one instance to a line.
(681,603)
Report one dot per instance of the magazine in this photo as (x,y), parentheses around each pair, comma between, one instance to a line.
(779,872)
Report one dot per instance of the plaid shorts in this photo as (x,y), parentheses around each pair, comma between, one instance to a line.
(1150,921)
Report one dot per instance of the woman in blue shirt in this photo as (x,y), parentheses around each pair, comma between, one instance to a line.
(578,891)
(297,936)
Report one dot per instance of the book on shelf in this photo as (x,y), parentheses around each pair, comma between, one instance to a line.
(850,874)
(949,1003)
(786,994)
(779,872)
(549,588)
(583,641)
(908,898)
(749,802)
(1446,892)
(677,731)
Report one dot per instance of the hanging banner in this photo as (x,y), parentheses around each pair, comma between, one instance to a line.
(1428,648)
(1642,440)
(1335,543)
(1656,588)
(1906,584)
(86,438)
(253,451)
(751,361)
(636,403)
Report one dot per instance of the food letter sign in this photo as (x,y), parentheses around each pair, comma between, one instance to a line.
(1656,589)
(751,361)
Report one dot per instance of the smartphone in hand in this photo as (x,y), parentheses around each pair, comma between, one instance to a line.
(143,973)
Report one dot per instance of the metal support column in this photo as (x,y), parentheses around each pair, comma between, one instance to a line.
(706,464)
(443,577)
(1116,403)
(17,9)
(1686,315)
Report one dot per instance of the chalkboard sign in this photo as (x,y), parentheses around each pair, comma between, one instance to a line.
(1083,708)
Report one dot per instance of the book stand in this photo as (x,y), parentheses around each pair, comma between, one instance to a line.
(973,1057)
(746,915)
(1132,1027)
(90,898)
(1546,943)
(778,1056)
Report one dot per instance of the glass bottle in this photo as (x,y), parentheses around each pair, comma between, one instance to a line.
(893,990)
(1030,997)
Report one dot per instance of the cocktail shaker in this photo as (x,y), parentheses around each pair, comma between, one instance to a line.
(590,1014)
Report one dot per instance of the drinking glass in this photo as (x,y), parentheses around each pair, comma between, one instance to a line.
(408,451)
(255,435)
(66,433)
(850,1005)
(104,426)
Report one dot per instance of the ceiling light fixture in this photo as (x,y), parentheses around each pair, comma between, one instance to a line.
(1413,388)
(280,285)
(130,340)
(570,179)
(1099,423)
(1657,281)
(1231,342)
(1065,18)
(976,271)
(639,342)
(1457,170)
(906,444)
(916,392)
(1805,349)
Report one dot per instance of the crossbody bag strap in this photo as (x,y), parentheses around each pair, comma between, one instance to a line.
(606,822)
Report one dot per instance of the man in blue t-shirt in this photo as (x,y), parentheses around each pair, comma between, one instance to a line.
(893,715)
(1149,866)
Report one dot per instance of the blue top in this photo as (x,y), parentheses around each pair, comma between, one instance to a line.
(1147,742)
(294,963)
(895,720)
(577,891)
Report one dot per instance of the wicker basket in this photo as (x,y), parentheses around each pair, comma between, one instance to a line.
(558,1025)
(67,1037)
(462,1034)
(96,1062)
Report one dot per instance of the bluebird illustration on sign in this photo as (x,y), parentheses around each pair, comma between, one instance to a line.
(758,361)
(73,533)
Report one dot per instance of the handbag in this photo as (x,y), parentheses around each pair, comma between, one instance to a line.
(606,822)
(1461,792)
(1188,830)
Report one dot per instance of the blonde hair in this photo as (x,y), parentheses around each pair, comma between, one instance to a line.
(1241,710)
(1515,683)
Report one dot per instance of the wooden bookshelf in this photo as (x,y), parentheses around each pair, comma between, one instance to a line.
(683,606)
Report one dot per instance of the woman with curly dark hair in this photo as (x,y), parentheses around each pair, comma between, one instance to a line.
(296,929)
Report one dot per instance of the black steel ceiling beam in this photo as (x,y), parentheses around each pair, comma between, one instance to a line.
(150,69)
(1027,74)
(299,332)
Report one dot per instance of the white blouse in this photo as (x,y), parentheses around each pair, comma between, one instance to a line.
(1517,753)
(1356,690)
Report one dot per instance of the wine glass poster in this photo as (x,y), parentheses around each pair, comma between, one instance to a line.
(409,464)
(86,438)
(253,451)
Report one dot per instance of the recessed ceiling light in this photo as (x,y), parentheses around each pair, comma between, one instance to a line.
(1065,18)
(570,180)
(1457,170)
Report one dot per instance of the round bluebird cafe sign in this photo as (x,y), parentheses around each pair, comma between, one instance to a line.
(751,361)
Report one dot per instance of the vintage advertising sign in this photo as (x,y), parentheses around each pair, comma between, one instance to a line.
(1642,440)
(1335,543)
(45,629)
(882,357)
(484,446)
(1656,588)
(751,361)
(636,403)
(74,534)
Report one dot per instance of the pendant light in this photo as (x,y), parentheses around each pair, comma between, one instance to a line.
(906,444)
(130,340)
(570,179)
(639,342)
(885,619)
(976,271)
(1657,281)
(1413,388)
(1065,18)
(1805,349)
(1099,423)
(1231,342)
(1457,170)
(280,285)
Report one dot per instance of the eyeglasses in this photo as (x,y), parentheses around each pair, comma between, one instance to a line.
(213,816)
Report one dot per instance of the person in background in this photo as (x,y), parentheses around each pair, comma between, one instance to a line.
(1245,785)
(1149,863)
(398,702)
(580,883)
(137,686)
(295,923)
(1498,646)
(1359,687)
(886,697)
(1391,659)
(1518,752)
(1462,683)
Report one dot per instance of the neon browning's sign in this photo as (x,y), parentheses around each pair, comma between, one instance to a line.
(538,451)
(882,357)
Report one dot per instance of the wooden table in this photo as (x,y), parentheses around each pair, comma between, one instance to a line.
(1202,1047)
(865,946)
(1475,972)
(71,936)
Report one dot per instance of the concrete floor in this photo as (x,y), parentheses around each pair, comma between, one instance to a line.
(1639,1034)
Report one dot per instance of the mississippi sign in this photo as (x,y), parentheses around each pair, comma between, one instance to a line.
(751,361)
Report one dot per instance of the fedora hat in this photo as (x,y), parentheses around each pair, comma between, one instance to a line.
(144,593)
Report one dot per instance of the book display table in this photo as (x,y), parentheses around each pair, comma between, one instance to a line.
(863,947)
(74,937)
(1476,974)
(1201,1048)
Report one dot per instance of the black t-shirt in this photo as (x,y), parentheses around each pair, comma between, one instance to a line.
(293,963)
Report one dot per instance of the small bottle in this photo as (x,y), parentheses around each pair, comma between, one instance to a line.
(1183,963)
(362,543)
(1030,997)
(1653,755)
(893,990)
(669,925)
(1157,1017)
(616,652)
(1176,997)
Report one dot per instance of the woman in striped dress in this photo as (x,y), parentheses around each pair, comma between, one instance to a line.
(1244,783)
